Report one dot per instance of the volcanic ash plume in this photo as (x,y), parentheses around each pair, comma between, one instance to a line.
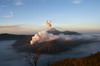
(42,37)
(48,23)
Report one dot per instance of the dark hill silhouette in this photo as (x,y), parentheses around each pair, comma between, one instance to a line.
(6,36)
(93,60)
(56,32)
(71,33)
(53,31)
(23,45)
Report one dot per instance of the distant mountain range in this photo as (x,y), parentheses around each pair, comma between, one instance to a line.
(56,32)
(6,36)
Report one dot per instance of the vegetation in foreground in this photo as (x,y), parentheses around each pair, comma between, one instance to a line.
(93,60)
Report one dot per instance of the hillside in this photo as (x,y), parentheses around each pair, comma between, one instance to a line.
(93,60)
(23,45)
(6,36)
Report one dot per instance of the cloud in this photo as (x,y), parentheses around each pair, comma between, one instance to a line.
(77,1)
(10,26)
(19,28)
(8,15)
(19,2)
(16,25)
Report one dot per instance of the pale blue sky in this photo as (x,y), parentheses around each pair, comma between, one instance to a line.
(28,16)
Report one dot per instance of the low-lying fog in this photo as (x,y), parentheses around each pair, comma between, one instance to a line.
(9,57)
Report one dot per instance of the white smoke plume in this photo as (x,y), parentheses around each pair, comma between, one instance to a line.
(42,36)
(45,36)
(48,24)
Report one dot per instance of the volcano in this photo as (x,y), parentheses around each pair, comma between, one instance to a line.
(56,32)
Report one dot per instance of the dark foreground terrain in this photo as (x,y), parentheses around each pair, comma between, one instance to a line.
(93,60)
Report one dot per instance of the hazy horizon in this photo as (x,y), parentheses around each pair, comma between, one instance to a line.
(28,16)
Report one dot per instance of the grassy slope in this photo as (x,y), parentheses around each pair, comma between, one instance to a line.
(93,60)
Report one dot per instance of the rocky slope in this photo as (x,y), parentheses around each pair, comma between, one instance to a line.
(92,60)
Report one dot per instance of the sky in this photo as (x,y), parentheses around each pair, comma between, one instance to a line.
(28,16)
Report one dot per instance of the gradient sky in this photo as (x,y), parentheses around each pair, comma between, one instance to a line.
(28,16)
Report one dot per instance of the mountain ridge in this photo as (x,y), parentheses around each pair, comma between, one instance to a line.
(66,32)
(7,36)
(92,60)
